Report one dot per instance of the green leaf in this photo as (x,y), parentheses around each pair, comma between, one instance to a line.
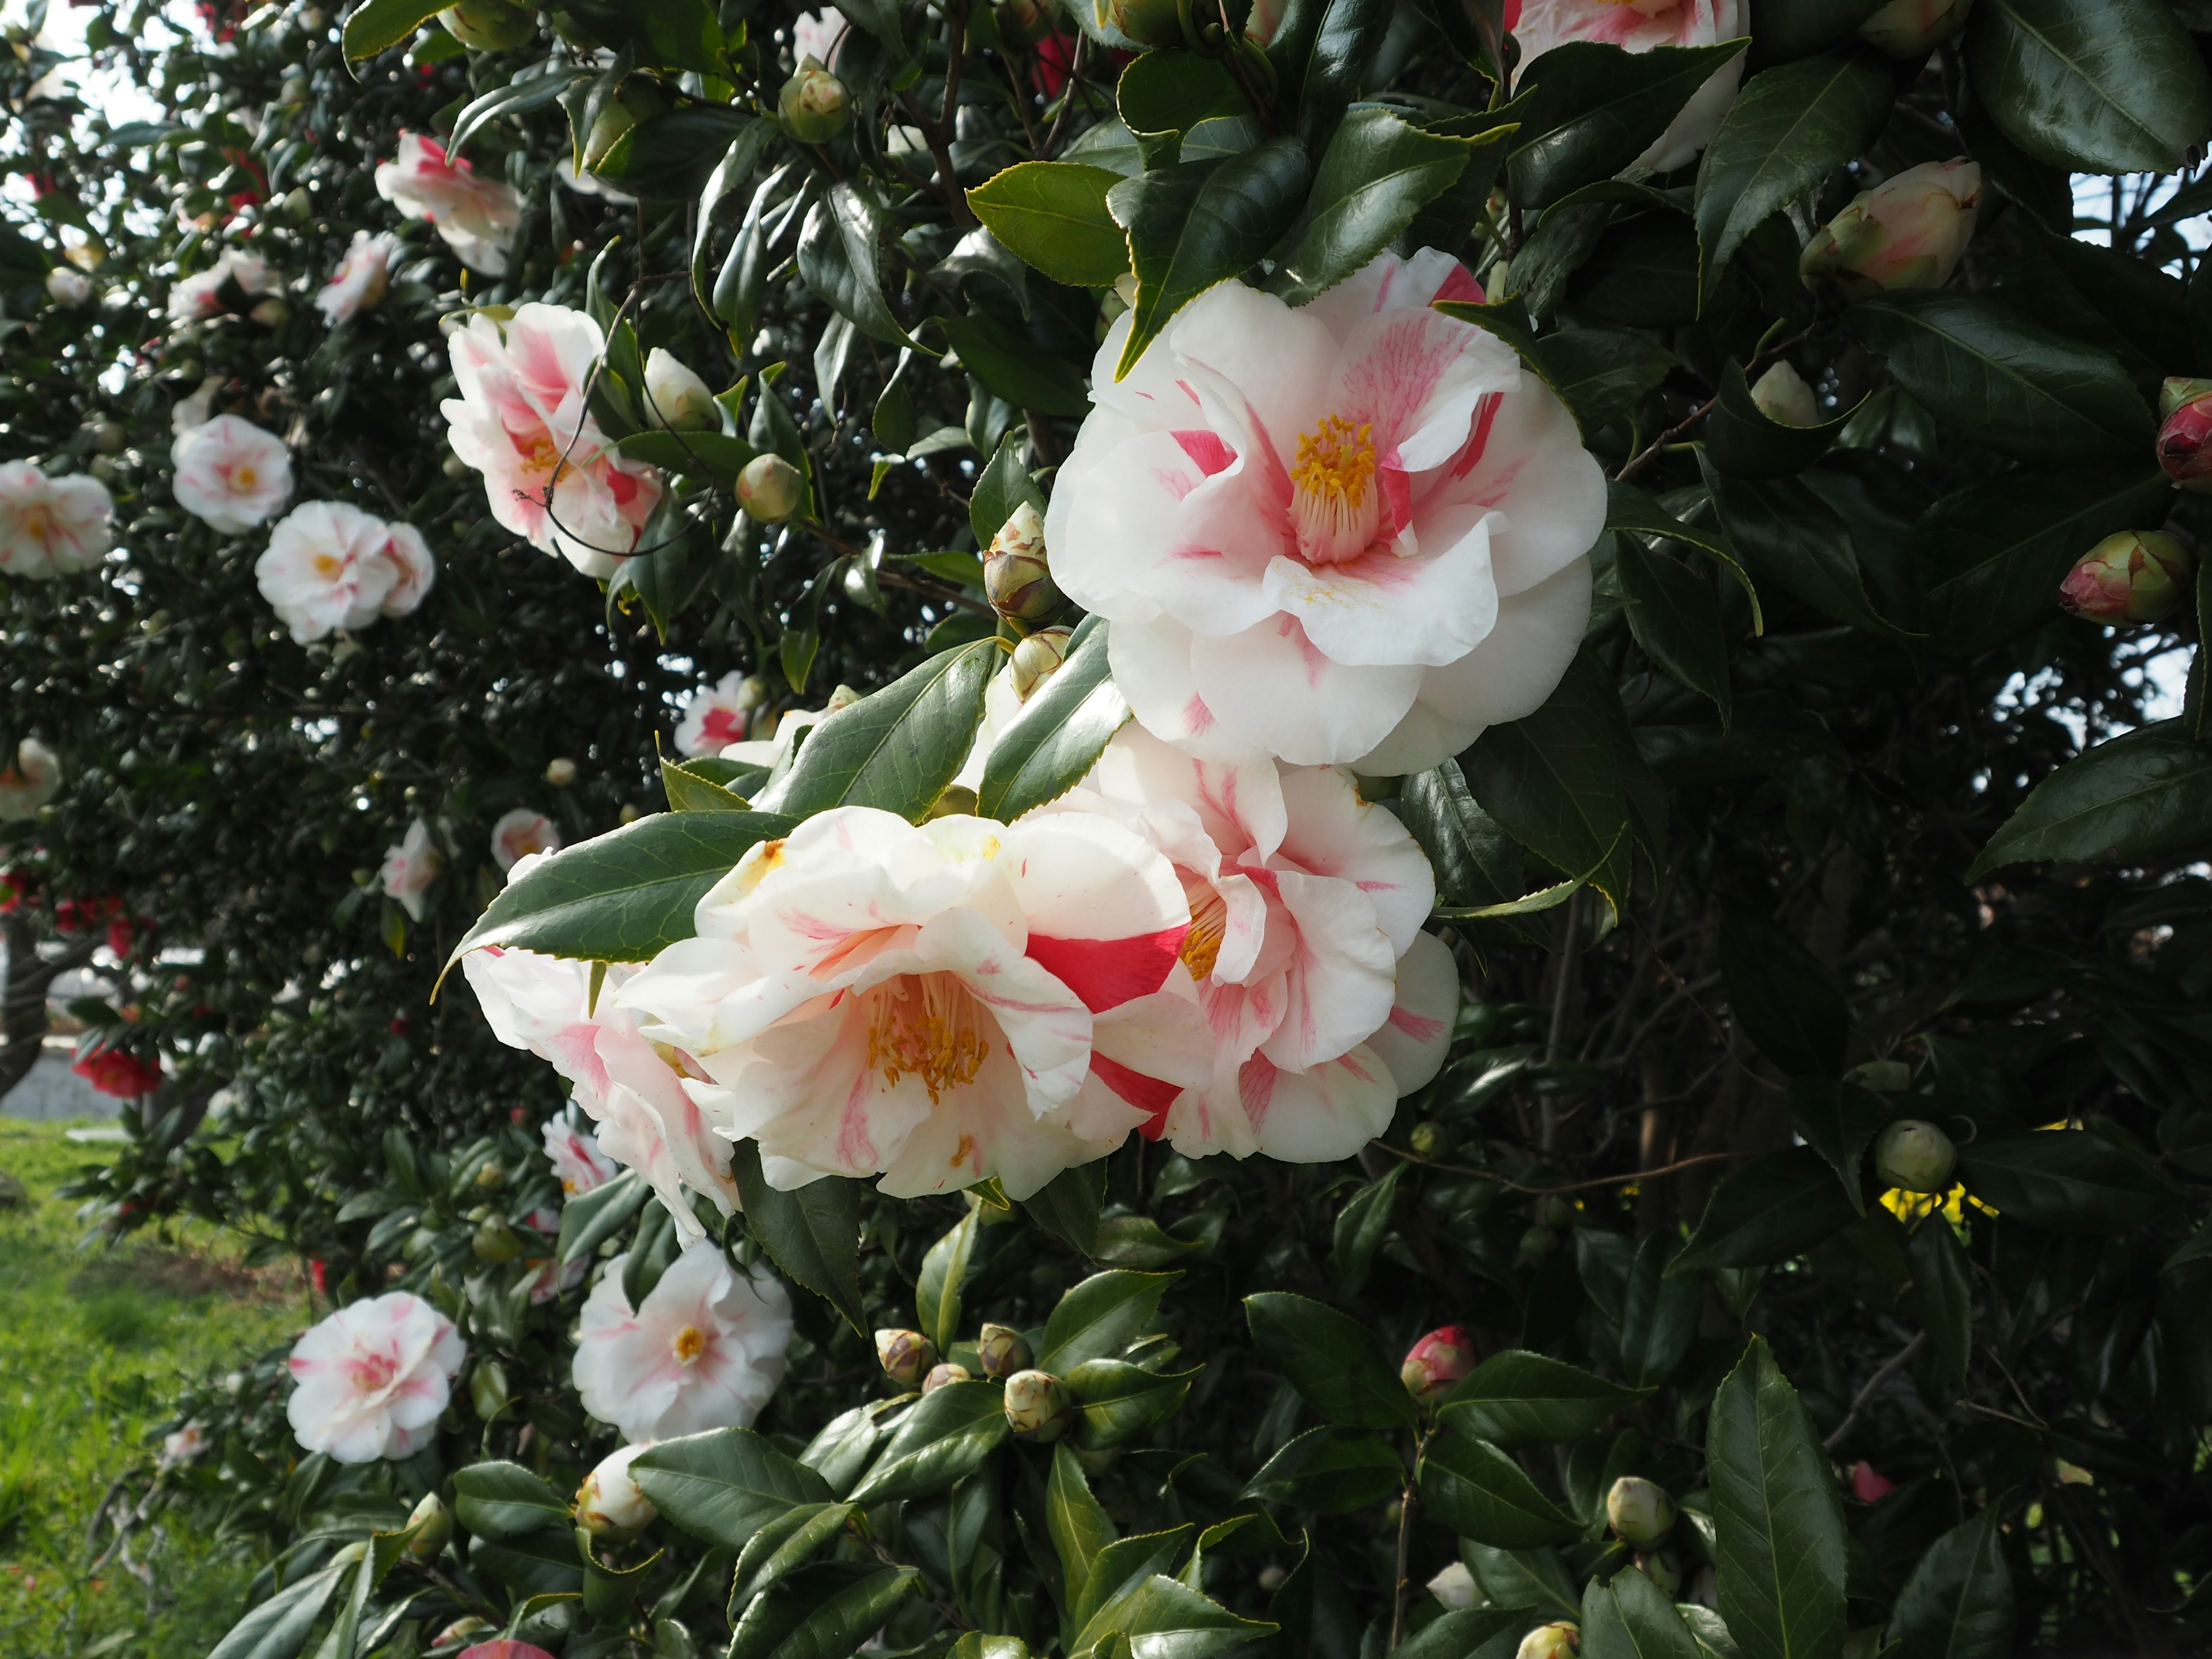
(2003,381)
(1004,485)
(1468,1633)
(622,897)
(706,454)
(1481,1493)
(724,1486)
(1675,618)
(1015,369)
(1067,1206)
(688,792)
(381,25)
(1052,214)
(588,1221)
(2070,1180)
(1631,1618)
(1597,107)
(1100,1317)
(1330,1358)
(1788,129)
(670,157)
(1119,1569)
(1786,535)
(1740,440)
(829,1628)
(1377,174)
(1047,748)
(1777,1205)
(2092,86)
(1535,1580)
(1779,1519)
(1958,1604)
(1599,372)
(1321,53)
(2144,795)
(1516,1397)
(1781,32)
(941,1442)
(535,1564)
(896,749)
(1120,1401)
(1197,224)
(813,1232)
(1360,1228)
(1330,1470)
(1944,1279)
(1164,94)
(782,1546)
(838,259)
(505,1500)
(1077,1526)
(1160,1617)
(1627,508)
(278,1628)
(1838,1122)
(1783,997)
(937,1287)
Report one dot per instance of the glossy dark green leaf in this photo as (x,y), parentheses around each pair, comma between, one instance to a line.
(1468,1633)
(1117,1570)
(1330,1358)
(1077,1526)
(1790,128)
(1778,1521)
(942,1441)
(724,1485)
(591,1218)
(1099,1317)
(1164,94)
(1330,1470)
(2066,1180)
(2093,85)
(1361,1226)
(1516,1397)
(1629,1617)
(1627,508)
(2003,381)
(380,25)
(542,1563)
(1380,170)
(2144,795)
(280,1626)
(937,1287)
(793,1622)
(1781,32)
(1159,1616)
(1320,52)
(1839,1121)
(1014,368)
(1047,749)
(1787,537)
(1067,1206)
(1766,1209)
(670,157)
(1781,995)
(1004,485)
(782,1546)
(896,749)
(1642,273)
(1944,1280)
(1675,618)
(1479,1493)
(651,1253)
(689,791)
(1535,1581)
(1597,107)
(1958,1604)
(811,1232)
(1119,1400)
(1658,1313)
(1199,224)
(1601,372)
(838,258)
(1740,440)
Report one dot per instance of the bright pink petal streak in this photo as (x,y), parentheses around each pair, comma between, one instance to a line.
(1207,449)
(1460,285)
(1149,1095)
(1105,973)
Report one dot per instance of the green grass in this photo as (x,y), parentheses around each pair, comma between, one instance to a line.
(93,1343)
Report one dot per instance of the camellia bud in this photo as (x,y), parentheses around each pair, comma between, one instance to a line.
(609,1501)
(1907,232)
(1639,1511)
(1784,398)
(488,1391)
(2136,576)
(1538,1243)
(560,773)
(432,1525)
(460,1630)
(1914,1156)
(1148,22)
(1905,29)
(769,488)
(1039,1407)
(2185,438)
(675,398)
(939,1375)
(489,25)
(271,313)
(1663,1568)
(1561,1640)
(1016,579)
(1884,1077)
(1429,1140)
(107,437)
(1455,1587)
(905,1356)
(1004,1351)
(814,105)
(495,1241)
(1436,1363)
(1038,658)
(67,286)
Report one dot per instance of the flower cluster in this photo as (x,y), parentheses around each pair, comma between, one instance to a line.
(51,526)
(331,566)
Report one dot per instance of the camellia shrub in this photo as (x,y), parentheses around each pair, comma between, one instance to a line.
(1137,829)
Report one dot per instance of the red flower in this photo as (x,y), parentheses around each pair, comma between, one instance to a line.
(82,916)
(14,888)
(399,1027)
(118,1072)
(1056,59)
(320,1272)
(1868,1485)
(120,933)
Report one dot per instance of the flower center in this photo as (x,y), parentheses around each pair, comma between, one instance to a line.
(540,456)
(928,1025)
(38,522)
(1209,919)
(328,566)
(1334,506)
(690,1342)
(373,1373)
(244,477)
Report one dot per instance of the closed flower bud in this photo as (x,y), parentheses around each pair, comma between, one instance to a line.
(560,773)
(1907,232)
(1003,1351)
(495,1241)
(609,1501)
(488,1391)
(769,488)
(66,286)
(2184,439)
(1455,1587)
(1429,1140)
(1639,1511)
(676,397)
(2136,576)
(1037,658)
(460,1630)
(1663,1568)
(814,105)
(940,1374)
(108,437)
(1039,1407)
(1148,22)
(271,313)
(432,1526)
(1561,1640)
(489,25)
(1784,398)
(1905,29)
(905,1356)
(1538,1243)
(294,90)
(1272,1578)
(1884,1077)
(1435,1365)
(1914,1156)
(1015,576)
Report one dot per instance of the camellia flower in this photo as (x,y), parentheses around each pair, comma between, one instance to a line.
(120,1072)
(68,287)
(1784,398)
(413,569)
(1906,232)
(325,568)
(476,215)
(360,280)
(628,1086)
(705,1351)
(51,526)
(816,34)
(520,421)
(194,298)
(31,783)
(935,1005)
(578,1163)
(2132,576)
(371,1380)
(180,1446)
(718,716)
(676,397)
(410,867)
(230,474)
(1351,533)
(1640,25)
(520,833)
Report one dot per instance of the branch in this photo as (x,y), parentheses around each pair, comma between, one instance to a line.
(1571,1187)
(1897,1362)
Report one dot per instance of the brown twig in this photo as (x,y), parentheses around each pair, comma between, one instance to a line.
(1572,1186)
(1405,1503)
(1643,456)
(1896,1363)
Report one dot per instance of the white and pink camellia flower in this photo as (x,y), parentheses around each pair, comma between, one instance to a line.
(1639,26)
(631,1088)
(230,474)
(370,1381)
(51,526)
(521,422)
(361,279)
(720,715)
(815,34)
(475,215)
(182,1446)
(705,1351)
(34,780)
(1353,533)
(578,1164)
(410,867)
(414,571)
(935,1005)
(1327,1001)
(325,568)
(196,298)
(520,833)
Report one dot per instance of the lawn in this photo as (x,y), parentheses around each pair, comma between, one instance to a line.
(93,1342)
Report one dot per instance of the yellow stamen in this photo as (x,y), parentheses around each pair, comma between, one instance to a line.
(1209,921)
(1334,509)
(244,477)
(928,1025)
(690,1342)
